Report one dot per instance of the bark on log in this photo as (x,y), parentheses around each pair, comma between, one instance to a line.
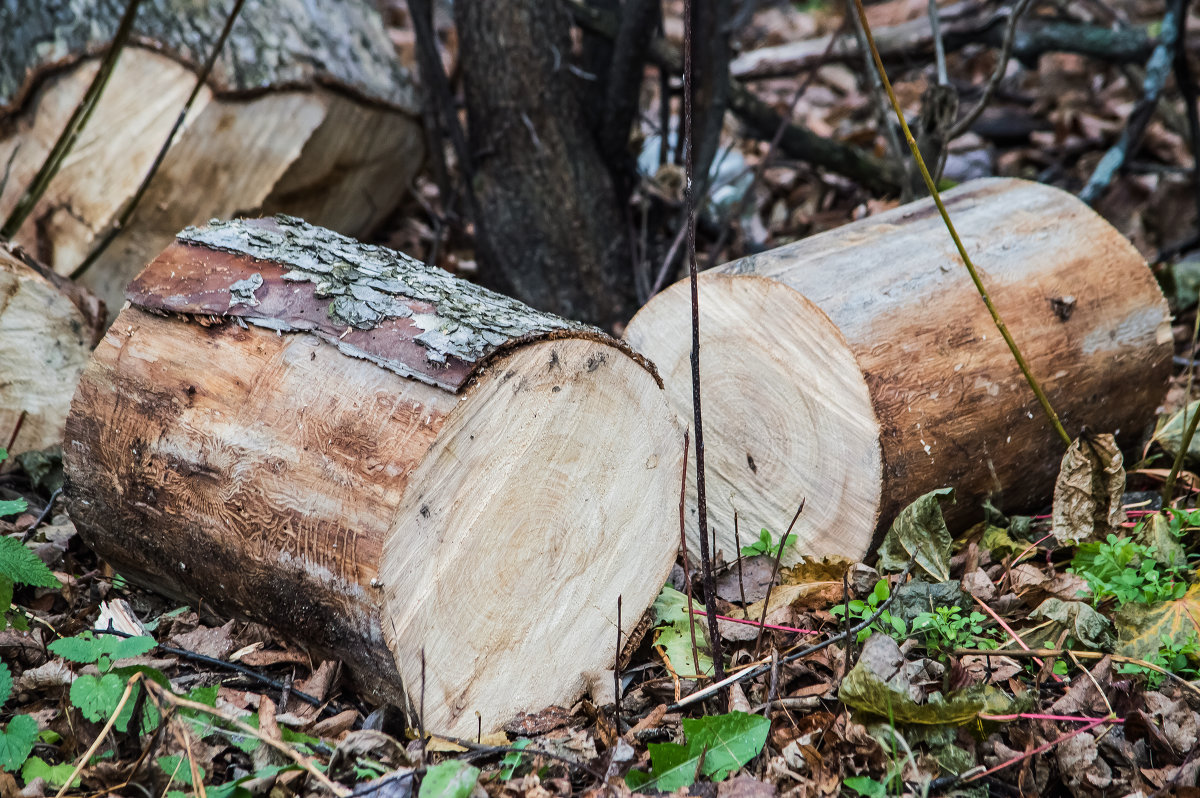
(48,326)
(380,460)
(859,369)
(305,112)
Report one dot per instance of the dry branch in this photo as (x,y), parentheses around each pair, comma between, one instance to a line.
(859,369)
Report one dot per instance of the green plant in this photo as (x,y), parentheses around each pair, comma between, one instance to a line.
(717,745)
(764,545)
(96,697)
(1122,568)
(861,610)
(946,628)
(1182,660)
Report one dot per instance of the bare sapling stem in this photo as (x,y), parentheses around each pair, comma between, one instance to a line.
(962,250)
(689,127)
(75,125)
(131,206)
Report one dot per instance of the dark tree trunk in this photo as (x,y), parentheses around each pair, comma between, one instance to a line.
(550,230)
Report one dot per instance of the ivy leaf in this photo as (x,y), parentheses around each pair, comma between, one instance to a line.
(125,647)
(13,506)
(55,775)
(6,683)
(97,698)
(22,566)
(16,742)
(177,767)
(450,779)
(84,648)
(1142,629)
(919,532)
(865,785)
(1088,491)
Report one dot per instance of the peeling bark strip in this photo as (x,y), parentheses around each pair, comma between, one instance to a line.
(858,368)
(309,42)
(477,484)
(369,301)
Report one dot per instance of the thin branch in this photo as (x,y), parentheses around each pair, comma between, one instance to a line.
(689,131)
(774,573)
(166,695)
(962,250)
(75,125)
(1157,70)
(131,206)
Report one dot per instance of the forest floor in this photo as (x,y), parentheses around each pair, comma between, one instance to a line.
(1007,662)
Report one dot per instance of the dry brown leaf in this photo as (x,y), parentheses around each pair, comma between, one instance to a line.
(1088,491)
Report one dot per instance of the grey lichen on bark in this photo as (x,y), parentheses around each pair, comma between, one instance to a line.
(369,284)
(273,44)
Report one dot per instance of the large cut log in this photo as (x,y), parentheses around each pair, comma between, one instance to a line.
(859,369)
(381,460)
(305,112)
(48,326)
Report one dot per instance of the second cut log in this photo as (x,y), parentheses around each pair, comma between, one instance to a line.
(859,368)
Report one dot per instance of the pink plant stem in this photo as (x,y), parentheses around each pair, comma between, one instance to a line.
(1009,630)
(756,623)
(1040,749)
(1064,718)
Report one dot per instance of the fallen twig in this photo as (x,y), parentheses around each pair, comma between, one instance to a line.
(1157,71)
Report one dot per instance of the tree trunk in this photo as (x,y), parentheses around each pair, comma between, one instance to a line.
(380,460)
(48,327)
(306,112)
(859,369)
(550,229)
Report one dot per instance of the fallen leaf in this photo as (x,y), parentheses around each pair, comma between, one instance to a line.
(1142,629)
(920,533)
(1088,491)
(1083,623)
(1169,433)
(882,684)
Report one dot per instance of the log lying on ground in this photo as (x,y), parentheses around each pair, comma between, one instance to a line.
(859,369)
(305,112)
(48,326)
(380,460)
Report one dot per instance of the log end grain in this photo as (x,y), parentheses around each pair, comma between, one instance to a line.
(788,413)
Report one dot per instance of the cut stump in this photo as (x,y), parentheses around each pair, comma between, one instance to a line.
(859,369)
(48,326)
(306,112)
(381,460)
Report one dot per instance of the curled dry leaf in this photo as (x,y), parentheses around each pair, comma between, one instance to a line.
(1088,491)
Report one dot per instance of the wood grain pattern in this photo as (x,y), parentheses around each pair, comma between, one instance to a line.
(48,327)
(266,474)
(952,406)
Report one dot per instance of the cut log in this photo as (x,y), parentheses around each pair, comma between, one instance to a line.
(305,112)
(48,326)
(380,460)
(859,369)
